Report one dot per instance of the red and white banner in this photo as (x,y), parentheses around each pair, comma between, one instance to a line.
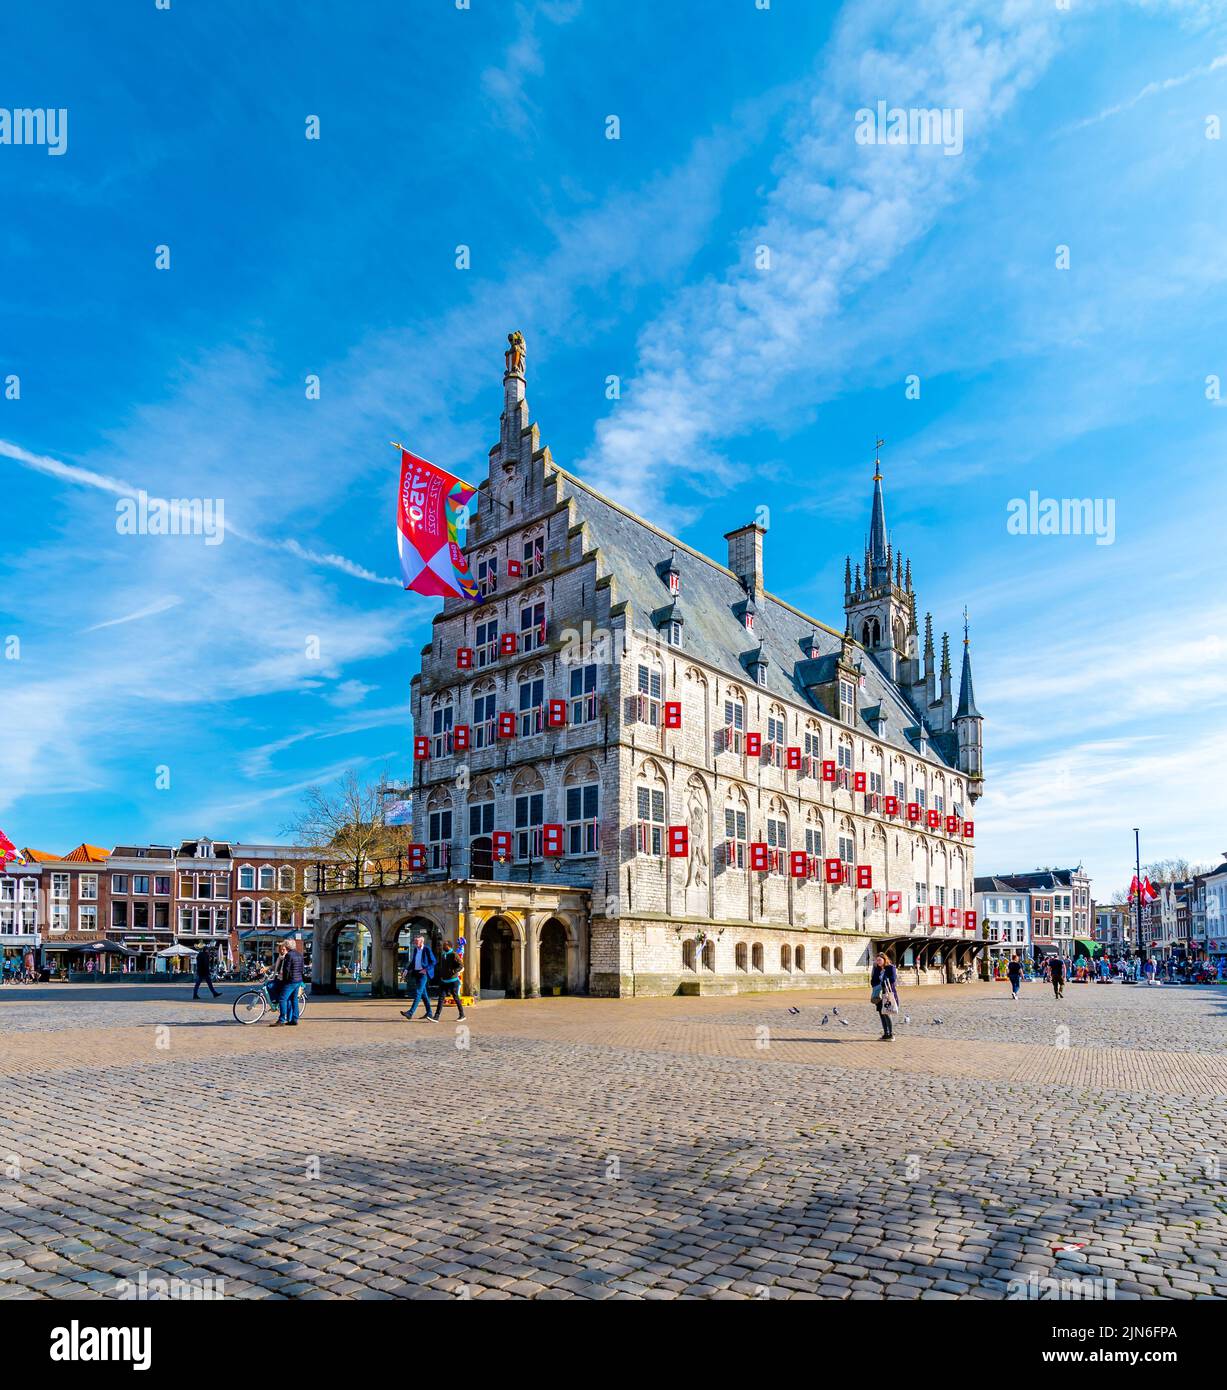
(431,519)
(8,850)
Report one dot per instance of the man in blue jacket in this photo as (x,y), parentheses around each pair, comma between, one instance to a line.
(418,975)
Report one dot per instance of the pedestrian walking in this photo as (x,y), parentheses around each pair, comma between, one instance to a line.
(291,976)
(884,993)
(418,975)
(448,973)
(1056,973)
(1014,970)
(204,972)
(1148,971)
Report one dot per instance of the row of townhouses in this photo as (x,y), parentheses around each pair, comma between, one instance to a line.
(147,898)
(1044,913)
(1186,922)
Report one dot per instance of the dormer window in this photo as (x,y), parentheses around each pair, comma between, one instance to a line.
(749,620)
(674,631)
(847,701)
(675,582)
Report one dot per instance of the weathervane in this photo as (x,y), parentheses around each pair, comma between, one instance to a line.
(877,462)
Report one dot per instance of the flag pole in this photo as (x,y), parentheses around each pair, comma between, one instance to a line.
(492,498)
(1137,850)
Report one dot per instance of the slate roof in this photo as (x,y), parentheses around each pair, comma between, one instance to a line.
(633,550)
(1044,880)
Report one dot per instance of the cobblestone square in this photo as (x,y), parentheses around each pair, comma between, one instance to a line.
(637,1148)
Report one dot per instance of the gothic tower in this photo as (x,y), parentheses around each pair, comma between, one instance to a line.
(969,725)
(879,606)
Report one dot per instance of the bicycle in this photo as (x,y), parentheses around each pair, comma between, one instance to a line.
(253,1004)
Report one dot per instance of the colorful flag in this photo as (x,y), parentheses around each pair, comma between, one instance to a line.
(431,520)
(1149,891)
(8,850)
(1135,887)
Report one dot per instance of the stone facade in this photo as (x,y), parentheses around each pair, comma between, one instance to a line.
(683,692)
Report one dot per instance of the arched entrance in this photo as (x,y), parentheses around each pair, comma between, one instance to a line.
(401,947)
(552,957)
(350,964)
(497,964)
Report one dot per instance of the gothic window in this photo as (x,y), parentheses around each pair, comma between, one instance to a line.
(487,573)
(786,958)
(582,794)
(688,955)
(439,831)
(529,804)
(756,956)
(532,624)
(583,694)
(740,956)
(650,804)
(813,835)
(839,960)
(649,686)
(533,554)
(487,639)
(800,959)
(709,955)
(735,821)
(532,701)
(734,720)
(485,715)
(441,717)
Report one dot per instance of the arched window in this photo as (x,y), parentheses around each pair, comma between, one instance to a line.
(485,714)
(439,829)
(736,821)
(826,959)
(533,552)
(779,841)
(800,958)
(786,958)
(709,955)
(266,912)
(731,738)
(266,878)
(532,621)
(740,956)
(688,955)
(839,960)
(528,796)
(756,955)
(486,633)
(582,806)
(531,700)
(441,719)
(285,878)
(777,735)
(813,833)
(651,810)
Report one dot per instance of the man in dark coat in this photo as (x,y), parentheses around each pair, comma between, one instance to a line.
(418,975)
(204,971)
(1056,973)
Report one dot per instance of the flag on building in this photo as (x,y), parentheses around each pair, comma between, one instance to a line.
(431,520)
(8,850)
(1149,891)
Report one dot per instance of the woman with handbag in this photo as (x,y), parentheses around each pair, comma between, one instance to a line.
(884,992)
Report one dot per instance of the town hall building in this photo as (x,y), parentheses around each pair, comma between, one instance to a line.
(638,771)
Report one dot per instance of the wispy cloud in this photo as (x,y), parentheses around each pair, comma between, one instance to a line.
(1153,89)
(158,606)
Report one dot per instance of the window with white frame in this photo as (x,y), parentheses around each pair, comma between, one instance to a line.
(285,878)
(441,731)
(87,887)
(59,916)
(439,837)
(847,701)
(922,893)
(648,685)
(900,790)
(247,877)
(532,701)
(583,694)
(777,844)
(487,574)
(161,885)
(650,806)
(266,912)
(247,913)
(735,837)
(813,841)
(532,626)
(140,885)
(734,725)
(529,817)
(285,913)
(119,915)
(775,739)
(673,632)
(485,718)
(266,877)
(487,641)
(583,809)
(847,848)
(59,887)
(534,556)
(119,883)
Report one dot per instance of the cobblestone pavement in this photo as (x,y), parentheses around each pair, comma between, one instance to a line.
(658,1148)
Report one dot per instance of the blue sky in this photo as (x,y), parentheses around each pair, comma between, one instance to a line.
(1101,670)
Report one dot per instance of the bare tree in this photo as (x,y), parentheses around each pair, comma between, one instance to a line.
(347,823)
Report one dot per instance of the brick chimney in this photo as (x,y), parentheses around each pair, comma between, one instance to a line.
(746,555)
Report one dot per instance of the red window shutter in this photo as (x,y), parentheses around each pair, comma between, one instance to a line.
(508,643)
(792,759)
(673,714)
(417,858)
(864,875)
(507,724)
(834,871)
(758,856)
(952,825)
(514,569)
(679,841)
(933,819)
(557,714)
(859,782)
(969,921)
(891,805)
(798,864)
(828,770)
(935,916)
(500,845)
(460,738)
(421,747)
(894,902)
(464,658)
(551,840)
(913,810)
(969,830)
(754,745)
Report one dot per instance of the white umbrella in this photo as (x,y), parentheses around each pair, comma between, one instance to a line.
(175,951)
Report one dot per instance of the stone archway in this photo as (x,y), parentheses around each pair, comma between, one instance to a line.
(398,935)
(498,958)
(341,944)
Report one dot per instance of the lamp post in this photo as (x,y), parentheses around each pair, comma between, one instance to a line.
(1137,851)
